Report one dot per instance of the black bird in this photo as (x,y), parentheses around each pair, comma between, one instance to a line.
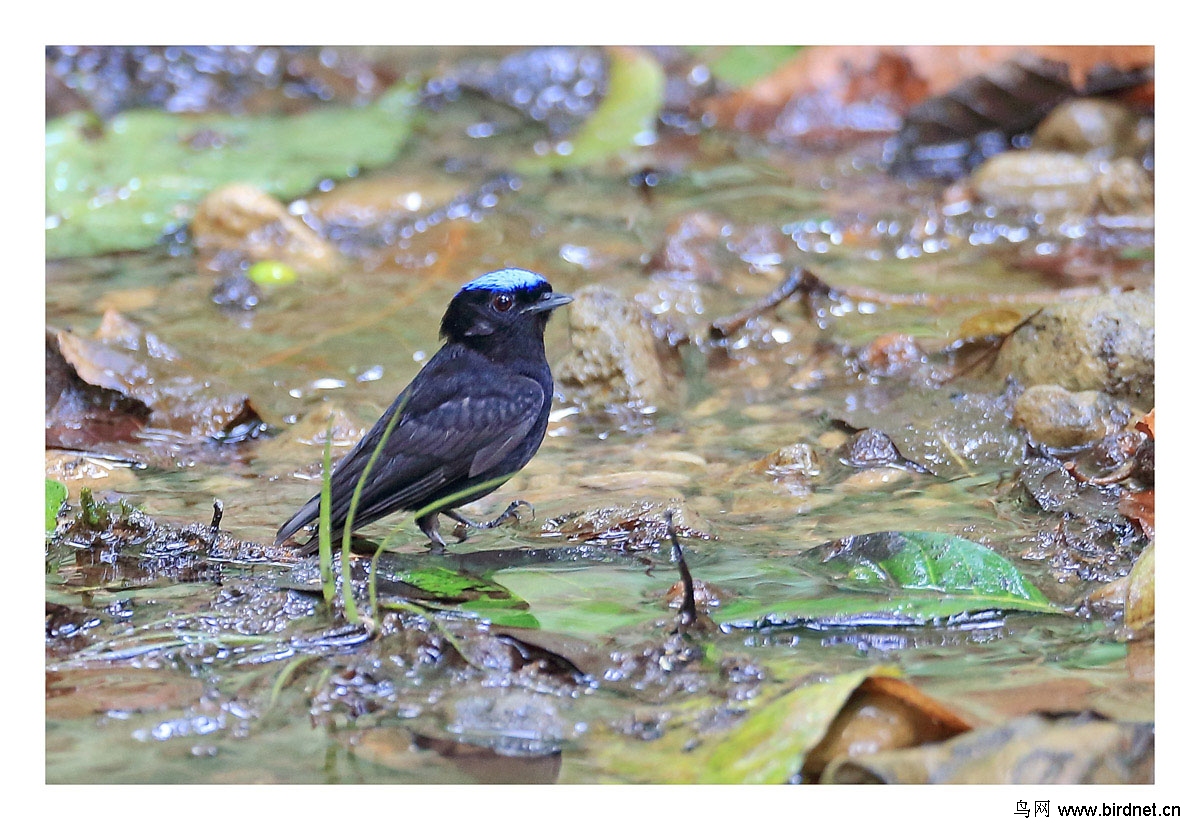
(473,416)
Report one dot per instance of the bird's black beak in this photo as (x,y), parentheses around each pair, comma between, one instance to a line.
(547,302)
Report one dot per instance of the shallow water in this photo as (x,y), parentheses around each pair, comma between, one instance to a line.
(242,687)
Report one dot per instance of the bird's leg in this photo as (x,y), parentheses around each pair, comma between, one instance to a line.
(429,526)
(509,512)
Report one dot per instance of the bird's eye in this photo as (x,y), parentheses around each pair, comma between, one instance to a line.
(502,302)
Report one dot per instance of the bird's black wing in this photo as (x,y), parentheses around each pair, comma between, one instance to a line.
(462,428)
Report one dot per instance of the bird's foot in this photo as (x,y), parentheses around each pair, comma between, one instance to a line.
(429,526)
(510,513)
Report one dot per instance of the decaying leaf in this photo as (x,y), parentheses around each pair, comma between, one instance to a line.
(123,385)
(883,713)
(1070,748)
(1140,508)
(854,714)
(1139,593)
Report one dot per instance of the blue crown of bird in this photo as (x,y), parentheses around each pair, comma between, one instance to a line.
(473,416)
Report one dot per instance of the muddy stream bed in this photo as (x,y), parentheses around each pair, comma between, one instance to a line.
(910,503)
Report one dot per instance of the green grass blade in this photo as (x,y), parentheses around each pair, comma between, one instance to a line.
(324,528)
(347,531)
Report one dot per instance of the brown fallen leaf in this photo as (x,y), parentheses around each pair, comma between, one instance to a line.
(124,385)
(1067,748)
(883,713)
(1140,508)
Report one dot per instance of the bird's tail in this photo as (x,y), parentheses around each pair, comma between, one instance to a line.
(306,514)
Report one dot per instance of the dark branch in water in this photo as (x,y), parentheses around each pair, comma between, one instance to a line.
(215,527)
(801,282)
(687,611)
(804,284)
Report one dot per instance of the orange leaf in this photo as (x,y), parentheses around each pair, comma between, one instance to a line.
(1145,424)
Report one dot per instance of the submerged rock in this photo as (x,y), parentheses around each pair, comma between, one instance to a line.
(1034,180)
(942,432)
(795,466)
(636,526)
(1092,125)
(1059,418)
(614,361)
(1104,344)
(1046,181)
(891,355)
(239,222)
(1121,188)
(793,460)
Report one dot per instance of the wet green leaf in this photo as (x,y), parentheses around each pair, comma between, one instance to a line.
(120,187)
(592,600)
(500,613)
(910,578)
(56,494)
(741,65)
(450,585)
(636,85)
(769,746)
(445,588)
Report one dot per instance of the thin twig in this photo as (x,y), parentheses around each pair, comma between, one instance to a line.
(800,281)
(687,610)
(214,529)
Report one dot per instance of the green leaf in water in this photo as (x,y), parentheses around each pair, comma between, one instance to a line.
(452,586)
(120,187)
(912,578)
(636,84)
(498,613)
(741,65)
(595,600)
(56,494)
(476,595)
